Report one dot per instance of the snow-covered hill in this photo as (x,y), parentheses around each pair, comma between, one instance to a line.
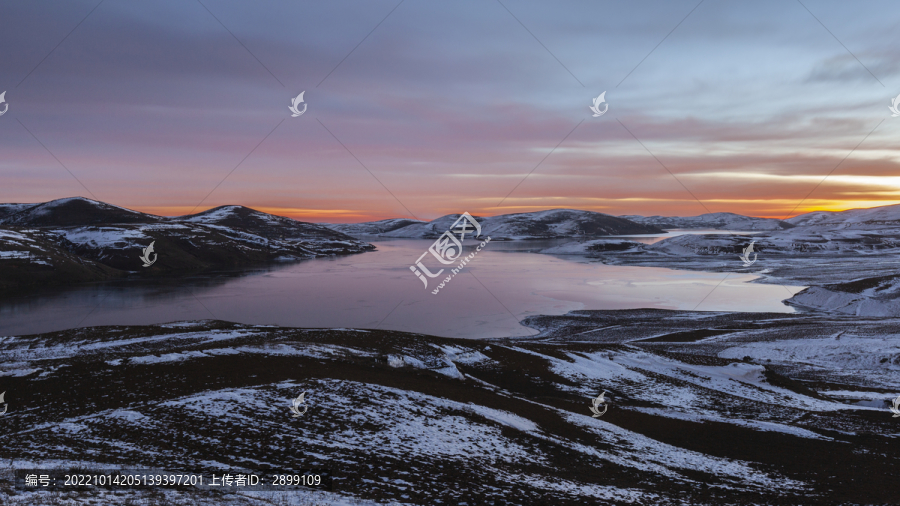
(553,223)
(561,223)
(558,223)
(714,221)
(884,216)
(109,240)
(373,227)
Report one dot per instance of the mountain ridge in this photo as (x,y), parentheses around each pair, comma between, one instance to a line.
(885,215)
(44,214)
(715,221)
(548,224)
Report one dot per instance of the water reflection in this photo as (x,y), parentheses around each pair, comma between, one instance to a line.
(377,289)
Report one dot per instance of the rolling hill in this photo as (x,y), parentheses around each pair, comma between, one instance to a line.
(78,239)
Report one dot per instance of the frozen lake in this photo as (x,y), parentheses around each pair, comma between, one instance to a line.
(504,283)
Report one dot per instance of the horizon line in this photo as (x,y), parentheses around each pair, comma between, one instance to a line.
(365,217)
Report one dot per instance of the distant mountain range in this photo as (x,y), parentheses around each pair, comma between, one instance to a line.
(561,223)
(78,239)
(555,223)
(872,217)
(883,216)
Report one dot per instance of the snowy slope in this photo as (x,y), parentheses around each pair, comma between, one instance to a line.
(9,209)
(722,221)
(425,420)
(30,257)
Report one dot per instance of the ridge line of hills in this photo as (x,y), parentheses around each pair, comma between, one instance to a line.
(78,239)
(508,225)
(59,213)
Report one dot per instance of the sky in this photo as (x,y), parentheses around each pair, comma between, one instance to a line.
(421,109)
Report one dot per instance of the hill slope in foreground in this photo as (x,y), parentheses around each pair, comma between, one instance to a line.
(704,408)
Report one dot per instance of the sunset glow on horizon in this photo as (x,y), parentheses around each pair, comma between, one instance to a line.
(353,216)
(746,109)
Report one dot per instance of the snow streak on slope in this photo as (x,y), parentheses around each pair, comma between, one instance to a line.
(511,423)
